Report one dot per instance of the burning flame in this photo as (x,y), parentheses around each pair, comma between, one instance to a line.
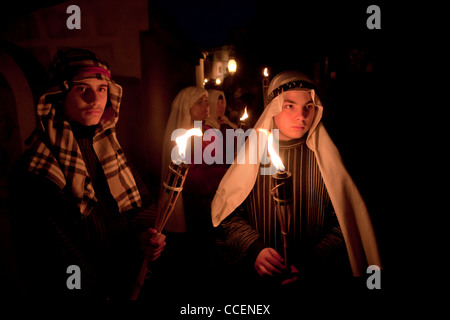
(273,155)
(245,116)
(232,66)
(182,140)
(266,72)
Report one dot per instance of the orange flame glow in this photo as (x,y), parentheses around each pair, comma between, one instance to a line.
(273,155)
(245,116)
(182,140)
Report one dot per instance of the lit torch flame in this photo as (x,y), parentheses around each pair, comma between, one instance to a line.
(245,116)
(273,154)
(182,140)
(266,72)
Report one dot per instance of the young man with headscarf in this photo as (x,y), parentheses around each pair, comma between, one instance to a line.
(329,217)
(74,193)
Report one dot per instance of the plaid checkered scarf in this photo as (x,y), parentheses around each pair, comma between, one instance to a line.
(55,151)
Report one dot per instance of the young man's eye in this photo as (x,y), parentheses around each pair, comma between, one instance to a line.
(309,106)
(289,106)
(80,89)
(102,89)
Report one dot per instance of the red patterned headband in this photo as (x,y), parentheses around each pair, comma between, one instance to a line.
(93,69)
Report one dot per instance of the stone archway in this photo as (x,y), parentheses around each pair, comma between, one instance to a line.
(17,121)
(23,111)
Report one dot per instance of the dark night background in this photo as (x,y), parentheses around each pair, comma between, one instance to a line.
(364,103)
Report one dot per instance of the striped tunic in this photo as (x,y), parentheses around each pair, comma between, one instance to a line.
(313,225)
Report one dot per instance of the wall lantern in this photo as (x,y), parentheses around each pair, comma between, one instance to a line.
(232,66)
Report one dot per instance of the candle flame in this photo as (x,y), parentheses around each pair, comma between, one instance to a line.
(245,116)
(273,154)
(182,140)
(266,72)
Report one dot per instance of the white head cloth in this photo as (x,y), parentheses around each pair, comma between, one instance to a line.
(349,206)
(213,97)
(179,118)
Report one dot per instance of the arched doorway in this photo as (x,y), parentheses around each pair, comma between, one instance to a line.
(17,121)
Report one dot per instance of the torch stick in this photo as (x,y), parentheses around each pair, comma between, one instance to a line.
(282,196)
(172,187)
(171,190)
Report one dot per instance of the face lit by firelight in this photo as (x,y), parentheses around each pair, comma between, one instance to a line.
(86,101)
(200,109)
(220,107)
(296,116)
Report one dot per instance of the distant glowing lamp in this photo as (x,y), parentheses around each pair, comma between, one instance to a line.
(232,66)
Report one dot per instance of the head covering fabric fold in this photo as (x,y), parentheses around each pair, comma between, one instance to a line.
(212,120)
(55,153)
(179,118)
(213,97)
(349,206)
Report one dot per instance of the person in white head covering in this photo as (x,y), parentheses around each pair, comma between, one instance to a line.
(329,214)
(217,118)
(190,105)
(189,229)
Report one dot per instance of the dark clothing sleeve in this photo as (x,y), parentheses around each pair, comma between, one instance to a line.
(144,217)
(327,261)
(332,240)
(43,240)
(237,239)
(49,234)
